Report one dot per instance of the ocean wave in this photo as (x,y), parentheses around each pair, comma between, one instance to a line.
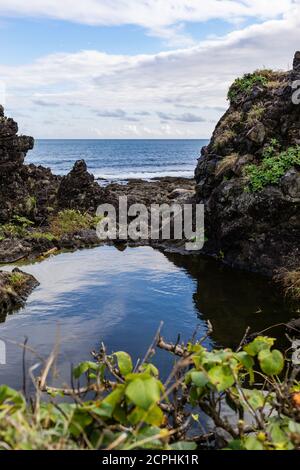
(144,175)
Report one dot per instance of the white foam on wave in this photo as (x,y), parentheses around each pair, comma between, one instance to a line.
(144,175)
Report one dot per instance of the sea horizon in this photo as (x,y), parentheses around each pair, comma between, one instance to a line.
(120,159)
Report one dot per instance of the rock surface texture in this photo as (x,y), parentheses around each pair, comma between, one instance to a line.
(15,287)
(248,176)
(34,191)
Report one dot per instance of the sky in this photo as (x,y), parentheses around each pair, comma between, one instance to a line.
(102,69)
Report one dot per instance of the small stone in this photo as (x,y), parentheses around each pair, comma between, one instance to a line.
(257,134)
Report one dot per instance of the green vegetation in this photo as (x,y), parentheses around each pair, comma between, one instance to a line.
(255,114)
(16,279)
(224,138)
(70,221)
(132,409)
(42,236)
(17,228)
(30,204)
(228,129)
(65,222)
(273,166)
(266,77)
(245,84)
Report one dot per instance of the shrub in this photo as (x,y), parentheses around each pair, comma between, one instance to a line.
(17,227)
(255,114)
(274,165)
(245,84)
(71,221)
(42,236)
(16,279)
(133,409)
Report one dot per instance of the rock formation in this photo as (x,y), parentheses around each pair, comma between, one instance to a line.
(78,190)
(24,190)
(15,287)
(34,191)
(248,176)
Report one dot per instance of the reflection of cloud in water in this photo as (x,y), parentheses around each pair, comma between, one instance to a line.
(98,295)
(74,272)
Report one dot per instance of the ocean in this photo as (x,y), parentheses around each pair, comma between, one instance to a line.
(117,160)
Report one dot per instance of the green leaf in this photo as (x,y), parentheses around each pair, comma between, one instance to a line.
(246,360)
(252,443)
(200,379)
(217,357)
(124,362)
(271,362)
(150,369)
(84,367)
(278,435)
(255,398)
(109,404)
(236,444)
(221,377)
(259,344)
(153,416)
(294,427)
(80,420)
(143,393)
(182,445)
(10,395)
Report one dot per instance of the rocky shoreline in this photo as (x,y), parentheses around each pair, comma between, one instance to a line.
(15,288)
(248,179)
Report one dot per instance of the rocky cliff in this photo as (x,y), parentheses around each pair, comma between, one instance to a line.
(248,176)
(34,191)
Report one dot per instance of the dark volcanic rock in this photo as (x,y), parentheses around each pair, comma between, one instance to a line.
(24,190)
(260,230)
(78,190)
(34,191)
(15,287)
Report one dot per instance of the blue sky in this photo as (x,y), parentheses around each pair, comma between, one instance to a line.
(135,68)
(26,39)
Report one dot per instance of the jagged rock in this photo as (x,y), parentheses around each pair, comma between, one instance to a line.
(15,287)
(34,191)
(257,231)
(78,190)
(296,62)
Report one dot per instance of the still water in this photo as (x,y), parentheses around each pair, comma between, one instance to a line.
(120,298)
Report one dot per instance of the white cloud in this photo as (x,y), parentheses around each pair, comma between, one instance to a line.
(148,13)
(145,85)
(160,17)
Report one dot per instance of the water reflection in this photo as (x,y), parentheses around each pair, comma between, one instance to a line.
(120,297)
(233,300)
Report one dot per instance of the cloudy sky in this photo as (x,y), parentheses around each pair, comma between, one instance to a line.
(135,68)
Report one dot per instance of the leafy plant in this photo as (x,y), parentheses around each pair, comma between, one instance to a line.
(42,236)
(133,409)
(255,114)
(245,84)
(17,227)
(17,279)
(70,221)
(273,166)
